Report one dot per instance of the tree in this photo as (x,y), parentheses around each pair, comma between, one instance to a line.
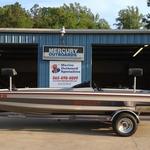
(14,16)
(76,16)
(146,21)
(103,24)
(71,16)
(129,18)
(148,3)
(146,18)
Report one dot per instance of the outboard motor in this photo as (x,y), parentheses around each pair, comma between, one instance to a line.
(135,72)
(10,72)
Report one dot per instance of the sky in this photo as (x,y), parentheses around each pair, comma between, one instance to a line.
(108,9)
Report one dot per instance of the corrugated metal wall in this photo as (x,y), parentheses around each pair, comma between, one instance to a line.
(77,38)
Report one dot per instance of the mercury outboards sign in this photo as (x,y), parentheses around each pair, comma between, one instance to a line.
(63,53)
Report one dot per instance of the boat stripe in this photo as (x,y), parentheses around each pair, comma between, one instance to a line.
(79,97)
(63,107)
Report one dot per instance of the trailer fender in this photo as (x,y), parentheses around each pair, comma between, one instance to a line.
(125,111)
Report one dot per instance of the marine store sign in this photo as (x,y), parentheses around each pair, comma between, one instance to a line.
(64,74)
(63,53)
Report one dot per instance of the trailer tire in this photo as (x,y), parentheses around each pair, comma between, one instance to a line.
(125,124)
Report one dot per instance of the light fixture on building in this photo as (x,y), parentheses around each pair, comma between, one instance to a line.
(137,52)
(62,31)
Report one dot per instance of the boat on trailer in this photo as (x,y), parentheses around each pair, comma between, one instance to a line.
(123,106)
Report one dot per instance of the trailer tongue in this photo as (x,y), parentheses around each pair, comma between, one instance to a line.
(122,107)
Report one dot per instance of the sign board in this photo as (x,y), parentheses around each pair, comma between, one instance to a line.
(64,74)
(63,53)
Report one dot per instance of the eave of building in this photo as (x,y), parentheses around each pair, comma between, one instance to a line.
(74,31)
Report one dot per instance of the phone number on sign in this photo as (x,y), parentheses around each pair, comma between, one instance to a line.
(65,78)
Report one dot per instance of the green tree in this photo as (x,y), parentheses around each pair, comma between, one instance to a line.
(146,21)
(146,18)
(103,24)
(45,17)
(129,18)
(14,16)
(71,16)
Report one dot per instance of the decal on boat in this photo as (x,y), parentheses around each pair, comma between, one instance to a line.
(2,95)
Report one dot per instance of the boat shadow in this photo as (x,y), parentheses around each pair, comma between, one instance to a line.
(94,128)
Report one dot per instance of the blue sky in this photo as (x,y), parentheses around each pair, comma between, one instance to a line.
(108,9)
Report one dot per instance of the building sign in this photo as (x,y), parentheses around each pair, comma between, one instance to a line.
(64,74)
(63,53)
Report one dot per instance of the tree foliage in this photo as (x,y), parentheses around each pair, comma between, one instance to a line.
(129,18)
(71,16)
(148,3)
(14,16)
(146,21)
(146,18)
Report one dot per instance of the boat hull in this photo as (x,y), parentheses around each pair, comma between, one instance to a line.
(65,102)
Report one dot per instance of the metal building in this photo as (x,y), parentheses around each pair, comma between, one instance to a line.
(108,54)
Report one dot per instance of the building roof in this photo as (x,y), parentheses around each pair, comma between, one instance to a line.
(75,31)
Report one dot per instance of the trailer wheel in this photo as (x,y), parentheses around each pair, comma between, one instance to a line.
(125,124)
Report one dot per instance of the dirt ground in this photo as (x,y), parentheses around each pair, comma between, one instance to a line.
(47,134)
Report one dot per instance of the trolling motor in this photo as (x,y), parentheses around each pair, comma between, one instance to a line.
(135,72)
(10,72)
